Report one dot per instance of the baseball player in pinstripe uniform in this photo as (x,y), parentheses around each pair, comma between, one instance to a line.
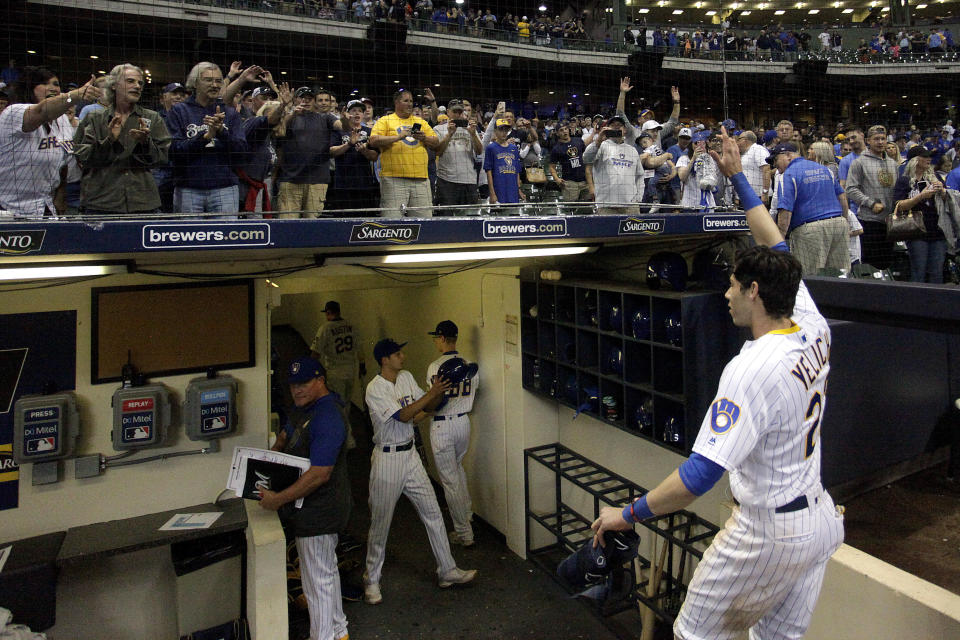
(325,490)
(764,570)
(395,401)
(450,435)
(337,347)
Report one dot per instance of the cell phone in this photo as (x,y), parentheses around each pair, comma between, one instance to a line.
(415,128)
(501,106)
(461,122)
(613,133)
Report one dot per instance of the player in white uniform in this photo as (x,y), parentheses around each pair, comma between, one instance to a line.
(337,347)
(395,401)
(764,570)
(450,435)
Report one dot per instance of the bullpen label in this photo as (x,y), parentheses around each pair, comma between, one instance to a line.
(18,243)
(733,222)
(639,227)
(190,236)
(501,229)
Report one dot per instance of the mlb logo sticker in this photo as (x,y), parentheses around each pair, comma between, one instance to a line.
(41,444)
(136,433)
(723,415)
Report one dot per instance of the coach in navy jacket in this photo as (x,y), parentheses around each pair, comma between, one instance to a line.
(207,141)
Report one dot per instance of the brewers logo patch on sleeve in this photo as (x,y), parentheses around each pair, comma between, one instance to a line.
(724,414)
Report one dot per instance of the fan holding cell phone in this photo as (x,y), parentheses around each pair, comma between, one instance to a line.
(456,157)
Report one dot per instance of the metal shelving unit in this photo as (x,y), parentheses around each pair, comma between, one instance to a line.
(684,534)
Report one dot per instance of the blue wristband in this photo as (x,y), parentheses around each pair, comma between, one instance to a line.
(637,510)
(748,198)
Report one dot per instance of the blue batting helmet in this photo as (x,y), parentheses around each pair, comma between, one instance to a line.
(456,370)
(640,324)
(667,270)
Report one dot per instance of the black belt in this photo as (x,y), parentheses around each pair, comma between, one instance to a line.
(817,220)
(449,417)
(398,447)
(798,503)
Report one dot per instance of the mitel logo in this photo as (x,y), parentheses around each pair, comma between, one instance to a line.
(18,243)
(636,226)
(725,223)
(377,232)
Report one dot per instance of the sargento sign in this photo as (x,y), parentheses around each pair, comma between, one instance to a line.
(375,232)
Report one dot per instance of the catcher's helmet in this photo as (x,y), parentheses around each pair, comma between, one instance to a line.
(456,370)
(667,270)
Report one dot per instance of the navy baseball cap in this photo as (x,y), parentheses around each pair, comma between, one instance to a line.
(445,328)
(700,136)
(356,103)
(783,147)
(304,91)
(386,348)
(619,119)
(264,91)
(304,369)
(332,306)
(174,86)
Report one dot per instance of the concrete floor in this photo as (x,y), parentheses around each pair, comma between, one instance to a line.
(913,524)
(510,598)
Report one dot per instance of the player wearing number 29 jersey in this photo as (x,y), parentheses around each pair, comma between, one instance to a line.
(337,347)
(763,572)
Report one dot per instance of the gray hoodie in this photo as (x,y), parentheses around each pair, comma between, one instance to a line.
(870,180)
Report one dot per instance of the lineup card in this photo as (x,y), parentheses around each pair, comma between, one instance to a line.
(238,467)
(182,521)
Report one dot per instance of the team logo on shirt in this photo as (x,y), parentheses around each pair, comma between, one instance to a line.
(723,415)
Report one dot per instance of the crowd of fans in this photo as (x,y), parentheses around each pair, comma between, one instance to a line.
(777,43)
(243,145)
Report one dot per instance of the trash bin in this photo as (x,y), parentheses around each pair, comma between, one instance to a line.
(209,581)
(28,582)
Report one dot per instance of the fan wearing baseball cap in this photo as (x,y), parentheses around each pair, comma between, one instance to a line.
(617,172)
(355,185)
(325,490)
(502,163)
(811,211)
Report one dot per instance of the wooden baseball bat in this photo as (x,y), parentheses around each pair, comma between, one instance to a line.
(648,617)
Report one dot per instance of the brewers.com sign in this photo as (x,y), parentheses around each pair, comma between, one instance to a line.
(18,243)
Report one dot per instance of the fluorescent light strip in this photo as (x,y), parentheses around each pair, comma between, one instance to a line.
(461,256)
(65,271)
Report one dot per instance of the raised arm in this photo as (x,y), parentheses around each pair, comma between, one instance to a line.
(762,226)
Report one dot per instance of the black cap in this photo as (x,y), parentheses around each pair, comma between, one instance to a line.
(386,348)
(332,306)
(445,328)
(783,147)
(264,91)
(918,150)
(304,91)
(620,119)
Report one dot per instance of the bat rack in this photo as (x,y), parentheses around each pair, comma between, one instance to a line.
(561,490)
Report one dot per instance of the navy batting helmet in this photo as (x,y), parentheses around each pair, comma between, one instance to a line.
(667,270)
(590,564)
(616,319)
(673,328)
(640,324)
(456,370)
(711,268)
(614,363)
(643,417)
(589,400)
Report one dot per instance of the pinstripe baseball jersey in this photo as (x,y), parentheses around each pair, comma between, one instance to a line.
(763,425)
(384,400)
(459,398)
